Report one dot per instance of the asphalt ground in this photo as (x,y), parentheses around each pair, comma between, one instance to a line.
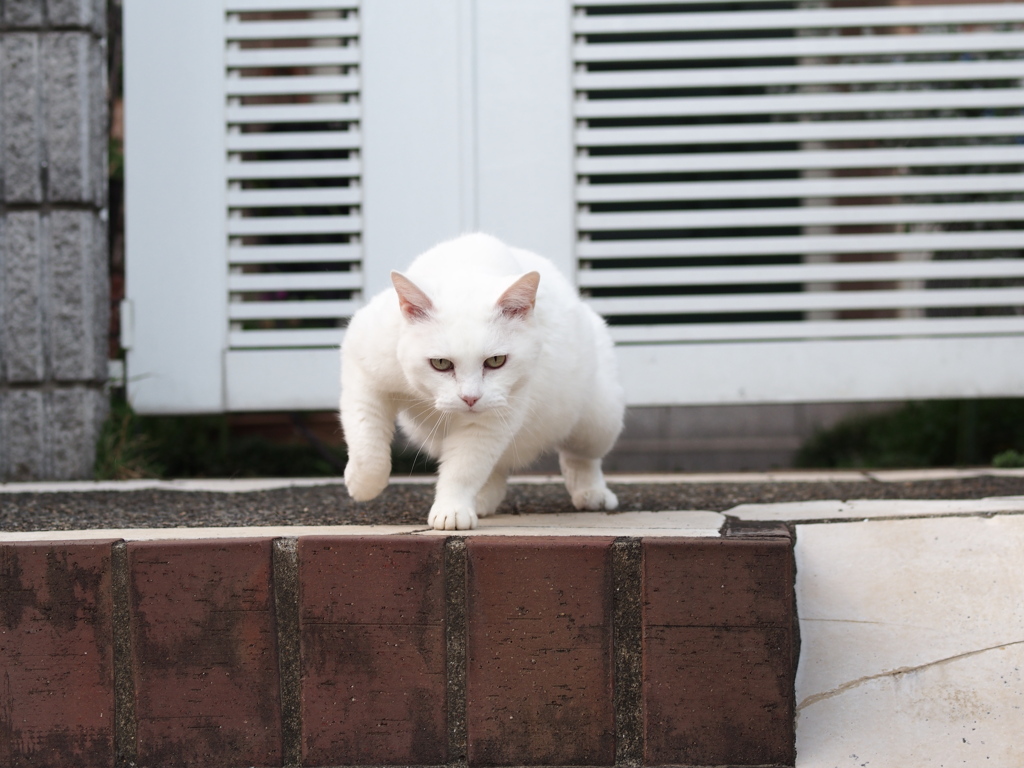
(408,504)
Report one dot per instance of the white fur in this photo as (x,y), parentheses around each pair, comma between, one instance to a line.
(558,388)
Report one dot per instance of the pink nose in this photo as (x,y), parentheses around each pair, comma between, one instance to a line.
(469,400)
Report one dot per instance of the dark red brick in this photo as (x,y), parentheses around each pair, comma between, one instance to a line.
(372,634)
(205,653)
(539,651)
(718,651)
(56,657)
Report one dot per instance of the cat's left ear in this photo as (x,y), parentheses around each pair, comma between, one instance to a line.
(520,297)
(414,303)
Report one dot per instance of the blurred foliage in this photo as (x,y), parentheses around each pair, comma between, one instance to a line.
(934,433)
(133,446)
(1010,459)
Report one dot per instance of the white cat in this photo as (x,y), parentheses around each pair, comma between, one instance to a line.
(487,357)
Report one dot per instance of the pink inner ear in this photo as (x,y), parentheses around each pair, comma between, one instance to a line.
(520,297)
(413,302)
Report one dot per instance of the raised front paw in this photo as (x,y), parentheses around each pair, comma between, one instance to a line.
(595,499)
(449,517)
(365,480)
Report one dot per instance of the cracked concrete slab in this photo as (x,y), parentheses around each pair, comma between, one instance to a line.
(912,642)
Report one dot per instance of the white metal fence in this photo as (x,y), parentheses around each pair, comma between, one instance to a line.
(769,201)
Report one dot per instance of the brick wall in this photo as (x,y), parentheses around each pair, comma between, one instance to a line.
(398,650)
(53,236)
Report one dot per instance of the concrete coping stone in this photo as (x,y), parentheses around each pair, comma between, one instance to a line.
(681,524)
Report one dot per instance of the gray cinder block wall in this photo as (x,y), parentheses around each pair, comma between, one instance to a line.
(53,237)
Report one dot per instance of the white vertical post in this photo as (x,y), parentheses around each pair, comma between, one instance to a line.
(175,204)
(413,133)
(525,125)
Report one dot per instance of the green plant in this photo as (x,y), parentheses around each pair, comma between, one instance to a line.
(133,446)
(123,451)
(1010,459)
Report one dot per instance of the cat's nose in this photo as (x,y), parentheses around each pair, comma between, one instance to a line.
(469,400)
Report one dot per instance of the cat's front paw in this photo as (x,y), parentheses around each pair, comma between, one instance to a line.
(447,517)
(594,499)
(365,481)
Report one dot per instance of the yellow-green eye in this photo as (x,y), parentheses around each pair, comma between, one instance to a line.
(495,362)
(441,364)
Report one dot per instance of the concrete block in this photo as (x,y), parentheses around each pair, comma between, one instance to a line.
(56,653)
(74,13)
(23,13)
(23,448)
(539,651)
(385,638)
(21,337)
(204,652)
(21,131)
(76,297)
(73,115)
(74,417)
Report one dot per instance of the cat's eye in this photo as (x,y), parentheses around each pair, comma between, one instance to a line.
(441,364)
(496,361)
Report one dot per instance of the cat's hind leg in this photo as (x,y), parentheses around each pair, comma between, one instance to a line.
(581,454)
(585,482)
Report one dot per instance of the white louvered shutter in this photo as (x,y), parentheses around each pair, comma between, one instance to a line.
(787,201)
(276,97)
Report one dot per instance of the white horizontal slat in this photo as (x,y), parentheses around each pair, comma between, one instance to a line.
(282,379)
(724,77)
(796,47)
(281,198)
(826,130)
(294,113)
(866,101)
(286,338)
(884,16)
(811,329)
(290,310)
(808,301)
(822,371)
(806,244)
(864,186)
(295,254)
(969,269)
(244,6)
(328,56)
(293,169)
(266,282)
(299,29)
(798,160)
(803,216)
(291,141)
(265,86)
(293,225)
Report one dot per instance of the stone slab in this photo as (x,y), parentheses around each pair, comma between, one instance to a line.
(912,643)
(864,509)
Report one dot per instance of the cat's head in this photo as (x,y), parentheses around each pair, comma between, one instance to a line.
(468,350)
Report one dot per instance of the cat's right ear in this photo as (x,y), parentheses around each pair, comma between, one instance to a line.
(414,303)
